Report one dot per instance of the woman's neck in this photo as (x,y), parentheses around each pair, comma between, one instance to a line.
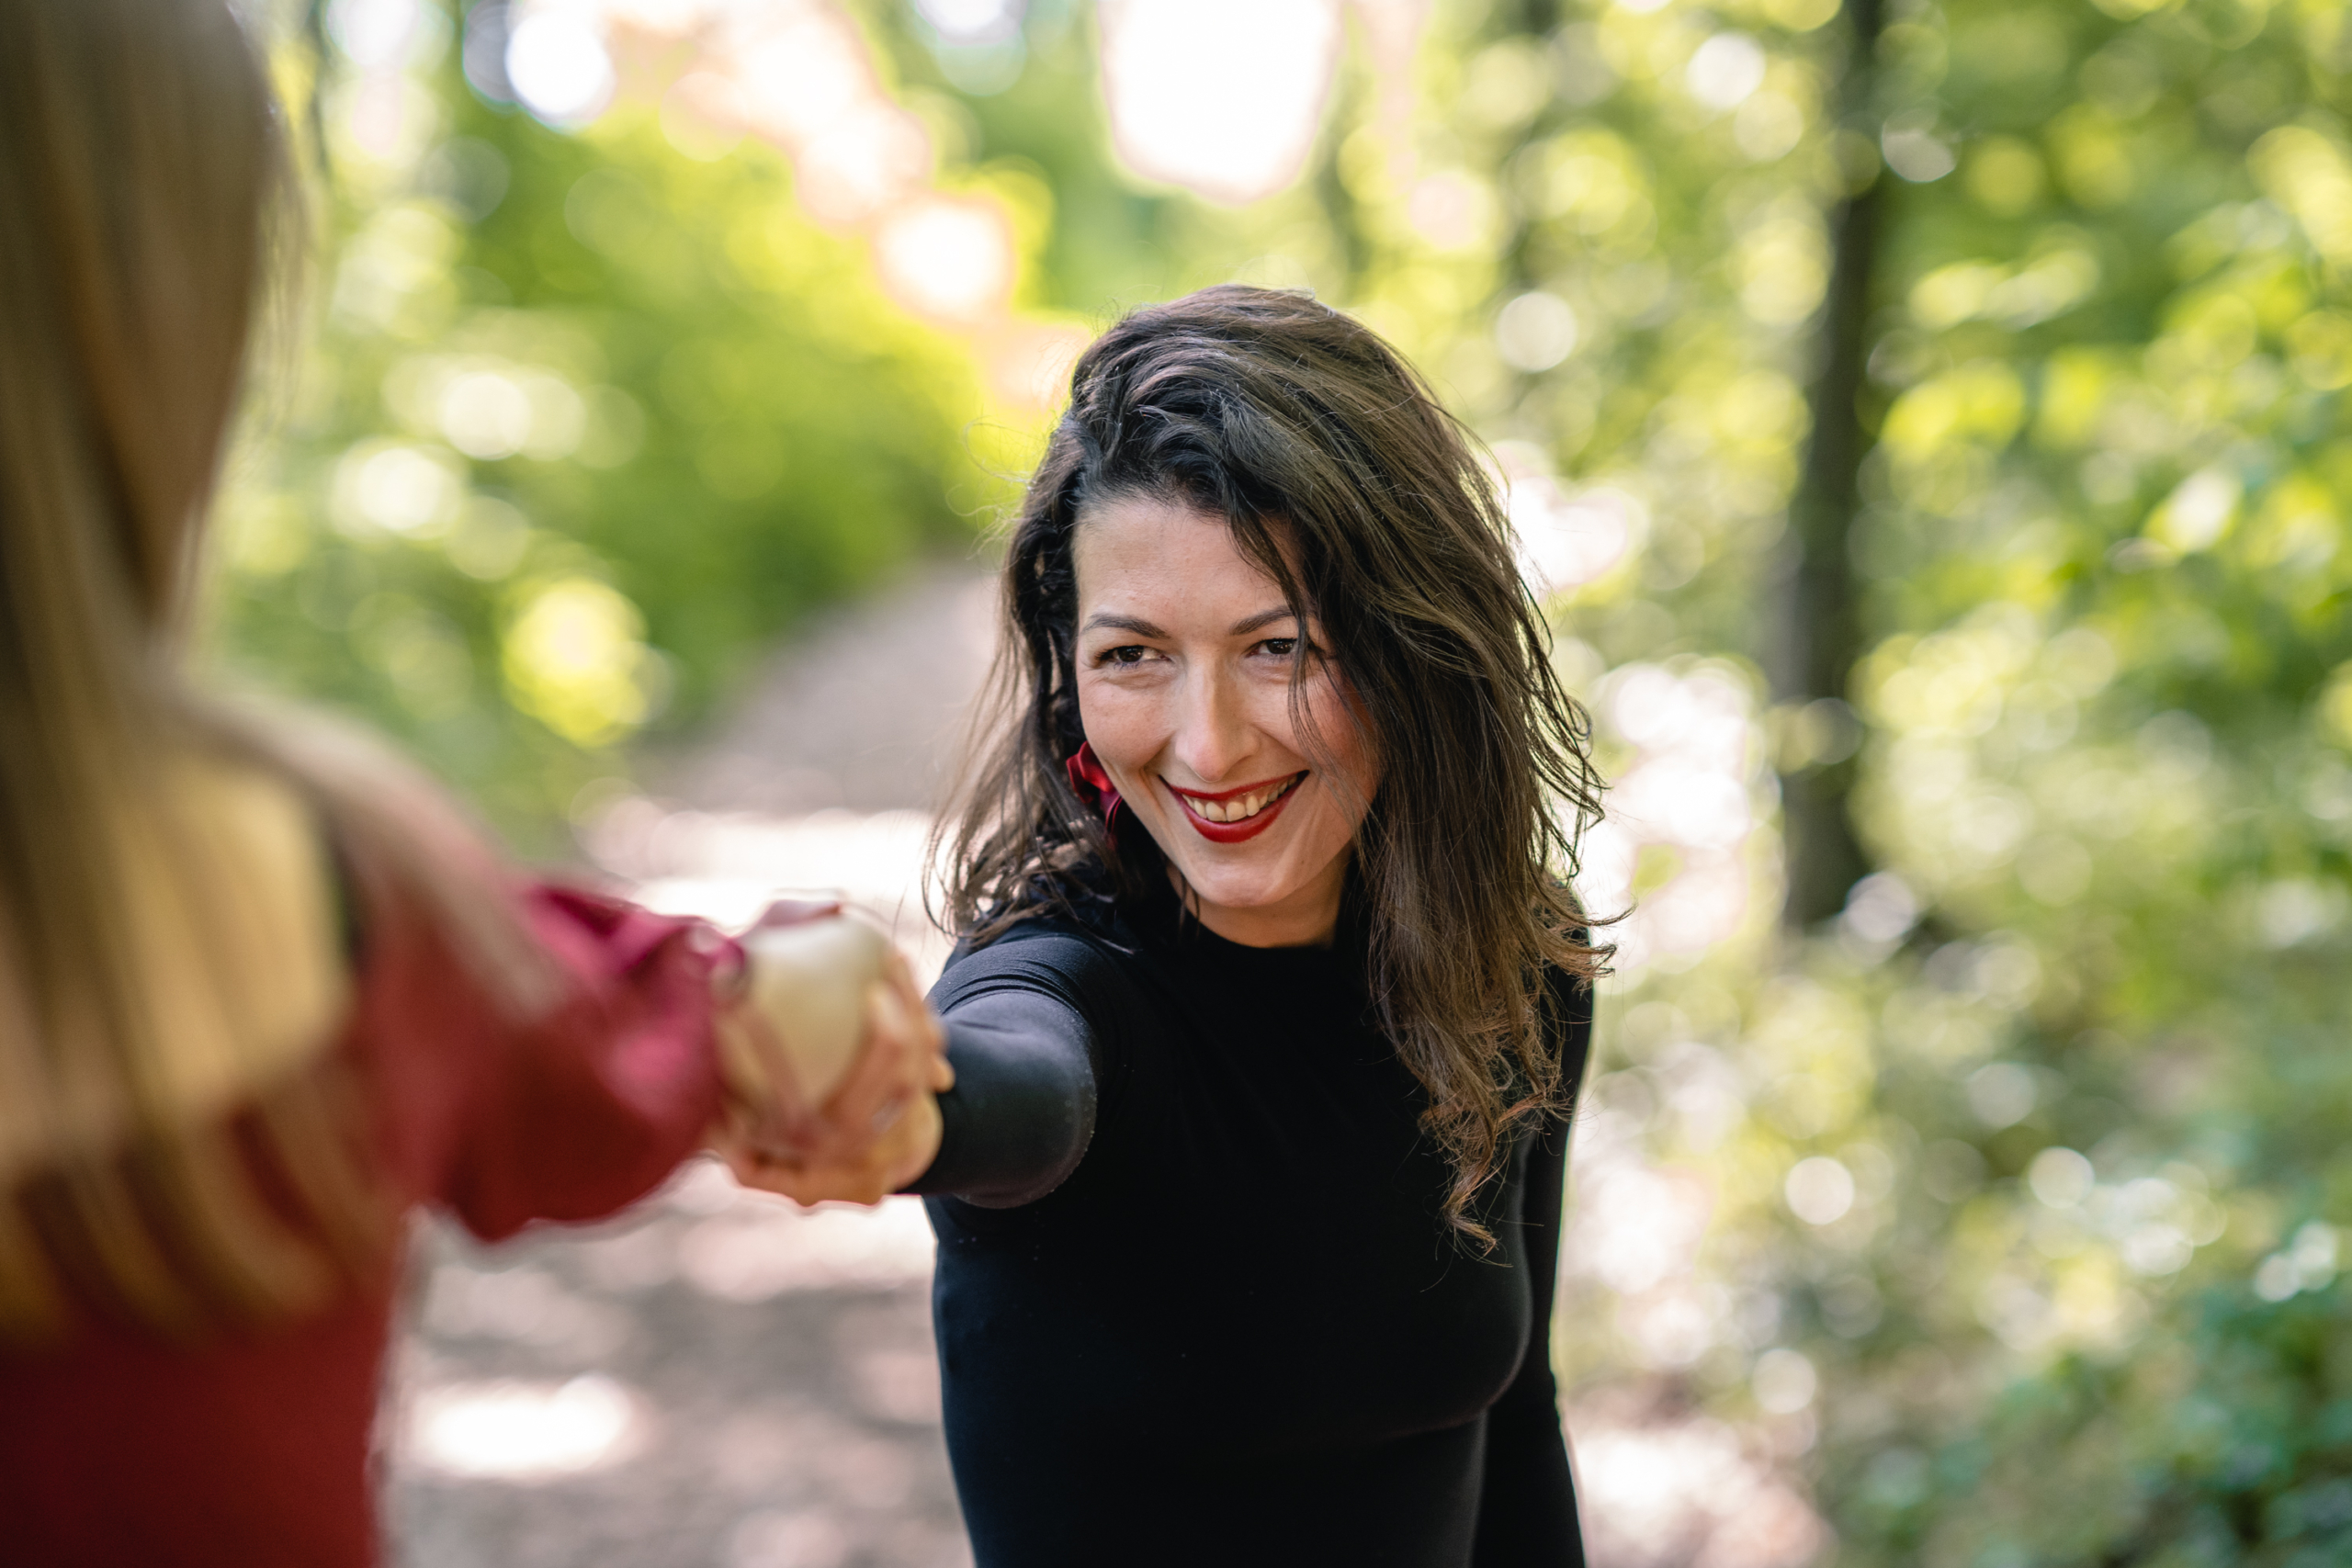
(1308,917)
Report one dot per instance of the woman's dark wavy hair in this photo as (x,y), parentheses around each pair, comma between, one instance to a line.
(1343,480)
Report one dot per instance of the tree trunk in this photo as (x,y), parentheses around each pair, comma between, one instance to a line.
(1822,635)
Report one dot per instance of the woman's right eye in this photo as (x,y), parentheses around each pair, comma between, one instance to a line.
(1127,653)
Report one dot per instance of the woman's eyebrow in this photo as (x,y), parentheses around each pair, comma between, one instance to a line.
(1263,618)
(1121,624)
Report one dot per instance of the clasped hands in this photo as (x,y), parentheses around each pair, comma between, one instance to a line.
(871,1132)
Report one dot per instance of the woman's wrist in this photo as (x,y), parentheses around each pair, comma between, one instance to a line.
(894,1160)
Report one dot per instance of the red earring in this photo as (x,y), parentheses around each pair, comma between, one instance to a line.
(1087,777)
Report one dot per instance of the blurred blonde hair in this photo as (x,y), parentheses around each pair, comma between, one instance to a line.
(174,956)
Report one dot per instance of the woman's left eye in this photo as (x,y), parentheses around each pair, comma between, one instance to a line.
(1280,647)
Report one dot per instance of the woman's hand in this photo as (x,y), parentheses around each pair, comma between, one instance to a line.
(879,1129)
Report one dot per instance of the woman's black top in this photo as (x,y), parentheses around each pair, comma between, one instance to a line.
(1196,1301)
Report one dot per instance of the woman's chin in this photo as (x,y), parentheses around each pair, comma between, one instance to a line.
(1268,876)
(1244,900)
(1248,890)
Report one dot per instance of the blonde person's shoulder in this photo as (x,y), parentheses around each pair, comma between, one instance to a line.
(231,976)
(238,925)
(256,809)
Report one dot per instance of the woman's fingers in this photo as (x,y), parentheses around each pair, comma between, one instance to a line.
(761,1075)
(903,978)
(900,1058)
(891,1068)
(886,1124)
(932,1036)
(890,1165)
(807,1186)
(886,1164)
(912,1145)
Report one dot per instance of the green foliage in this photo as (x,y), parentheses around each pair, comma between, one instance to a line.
(587,424)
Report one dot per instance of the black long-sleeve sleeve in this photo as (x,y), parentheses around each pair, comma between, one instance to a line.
(1527,1516)
(1021,1113)
(1527,1512)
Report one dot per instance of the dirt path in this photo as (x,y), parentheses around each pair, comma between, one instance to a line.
(716,1381)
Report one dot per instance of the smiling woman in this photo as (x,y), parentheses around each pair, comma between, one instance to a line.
(1186,652)
(1271,999)
(1364,573)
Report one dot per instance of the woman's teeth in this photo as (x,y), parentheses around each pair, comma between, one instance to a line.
(1241,808)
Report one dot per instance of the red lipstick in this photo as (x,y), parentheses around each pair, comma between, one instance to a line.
(1248,826)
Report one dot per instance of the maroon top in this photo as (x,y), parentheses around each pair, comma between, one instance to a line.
(251,1451)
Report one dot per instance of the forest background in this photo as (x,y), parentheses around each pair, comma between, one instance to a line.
(1923,421)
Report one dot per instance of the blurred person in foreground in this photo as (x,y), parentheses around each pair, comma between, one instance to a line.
(262,989)
(1272,999)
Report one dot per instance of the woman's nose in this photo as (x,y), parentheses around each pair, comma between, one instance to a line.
(1213,732)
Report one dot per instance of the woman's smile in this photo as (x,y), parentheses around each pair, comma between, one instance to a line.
(1230,817)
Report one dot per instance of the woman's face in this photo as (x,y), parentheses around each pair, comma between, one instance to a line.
(1184,656)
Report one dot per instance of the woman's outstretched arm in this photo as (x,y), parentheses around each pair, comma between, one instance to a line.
(1027,1070)
(1021,1113)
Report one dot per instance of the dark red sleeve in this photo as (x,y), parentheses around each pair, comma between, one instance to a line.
(567,1115)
